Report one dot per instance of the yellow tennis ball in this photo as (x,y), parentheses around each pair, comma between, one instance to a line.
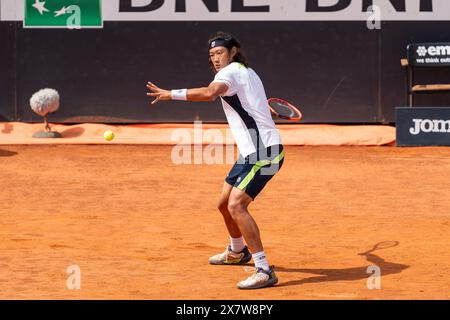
(108,135)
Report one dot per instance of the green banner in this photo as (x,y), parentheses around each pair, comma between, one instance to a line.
(71,14)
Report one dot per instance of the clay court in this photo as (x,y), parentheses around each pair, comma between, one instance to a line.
(140,227)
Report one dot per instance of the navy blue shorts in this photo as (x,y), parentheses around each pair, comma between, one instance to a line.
(251,174)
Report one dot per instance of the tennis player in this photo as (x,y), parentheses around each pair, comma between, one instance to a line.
(261,153)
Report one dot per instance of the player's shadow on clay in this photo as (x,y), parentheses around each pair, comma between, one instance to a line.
(348,274)
(6,153)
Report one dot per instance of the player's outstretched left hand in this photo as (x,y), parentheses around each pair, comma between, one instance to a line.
(158,93)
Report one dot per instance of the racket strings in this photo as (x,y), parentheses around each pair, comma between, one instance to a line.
(283,109)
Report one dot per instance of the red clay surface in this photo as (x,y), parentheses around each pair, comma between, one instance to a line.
(140,227)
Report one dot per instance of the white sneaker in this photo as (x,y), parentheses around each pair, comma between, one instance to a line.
(231,257)
(259,279)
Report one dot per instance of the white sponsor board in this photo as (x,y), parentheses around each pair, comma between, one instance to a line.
(274,10)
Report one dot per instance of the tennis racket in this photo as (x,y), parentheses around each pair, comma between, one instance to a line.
(284,110)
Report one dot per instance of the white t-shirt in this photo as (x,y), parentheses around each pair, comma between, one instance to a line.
(246,109)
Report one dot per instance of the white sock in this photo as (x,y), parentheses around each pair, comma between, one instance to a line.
(260,260)
(237,244)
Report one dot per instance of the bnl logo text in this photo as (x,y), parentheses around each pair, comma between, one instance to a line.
(240,6)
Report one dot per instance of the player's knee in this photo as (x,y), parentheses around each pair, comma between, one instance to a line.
(222,205)
(236,208)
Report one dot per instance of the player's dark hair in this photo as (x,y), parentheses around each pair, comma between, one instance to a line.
(231,42)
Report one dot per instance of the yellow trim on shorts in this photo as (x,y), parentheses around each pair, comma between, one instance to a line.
(256,167)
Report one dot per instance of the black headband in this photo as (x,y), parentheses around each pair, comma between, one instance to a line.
(220,43)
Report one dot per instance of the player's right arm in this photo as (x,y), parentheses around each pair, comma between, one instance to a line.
(210,93)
